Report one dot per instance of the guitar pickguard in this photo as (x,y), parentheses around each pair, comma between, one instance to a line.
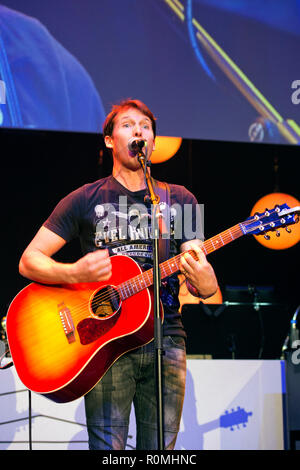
(90,329)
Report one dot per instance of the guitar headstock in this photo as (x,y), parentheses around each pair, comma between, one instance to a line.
(234,418)
(271,220)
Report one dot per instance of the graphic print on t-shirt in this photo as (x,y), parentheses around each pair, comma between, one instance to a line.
(127,229)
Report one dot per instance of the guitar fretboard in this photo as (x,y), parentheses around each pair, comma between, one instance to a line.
(142,281)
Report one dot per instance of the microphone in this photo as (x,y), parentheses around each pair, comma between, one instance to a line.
(294,332)
(292,339)
(135,145)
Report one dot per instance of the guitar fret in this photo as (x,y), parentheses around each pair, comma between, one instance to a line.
(125,291)
(170,266)
(149,276)
(125,286)
(219,240)
(121,292)
(164,270)
(204,249)
(229,231)
(133,287)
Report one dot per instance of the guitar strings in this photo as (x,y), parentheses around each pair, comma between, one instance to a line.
(175,260)
(226,237)
(80,308)
(209,246)
(117,293)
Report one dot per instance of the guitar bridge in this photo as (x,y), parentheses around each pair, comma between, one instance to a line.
(67,322)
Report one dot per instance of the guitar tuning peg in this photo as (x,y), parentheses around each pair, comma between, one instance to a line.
(277,233)
(267,237)
(288,229)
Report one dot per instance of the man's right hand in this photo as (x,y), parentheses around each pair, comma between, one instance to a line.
(95,266)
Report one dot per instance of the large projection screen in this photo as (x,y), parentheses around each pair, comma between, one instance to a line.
(208,69)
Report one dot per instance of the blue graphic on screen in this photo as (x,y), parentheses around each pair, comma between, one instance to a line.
(193,39)
(208,69)
(45,86)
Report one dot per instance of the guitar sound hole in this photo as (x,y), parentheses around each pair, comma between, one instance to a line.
(106,302)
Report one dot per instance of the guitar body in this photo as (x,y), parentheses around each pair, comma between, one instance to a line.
(61,346)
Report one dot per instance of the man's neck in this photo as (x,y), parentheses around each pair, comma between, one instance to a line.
(132,180)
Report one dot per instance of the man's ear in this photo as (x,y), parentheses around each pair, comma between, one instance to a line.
(108,141)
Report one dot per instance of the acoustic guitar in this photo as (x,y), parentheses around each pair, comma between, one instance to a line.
(63,338)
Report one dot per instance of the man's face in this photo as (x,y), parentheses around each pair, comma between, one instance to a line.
(130,123)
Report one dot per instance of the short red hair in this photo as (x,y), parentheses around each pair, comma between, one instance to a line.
(109,122)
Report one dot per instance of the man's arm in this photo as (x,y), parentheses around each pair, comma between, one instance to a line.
(37,264)
(201,280)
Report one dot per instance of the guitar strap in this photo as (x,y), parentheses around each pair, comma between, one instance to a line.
(163,191)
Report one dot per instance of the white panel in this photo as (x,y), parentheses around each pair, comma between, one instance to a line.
(228,405)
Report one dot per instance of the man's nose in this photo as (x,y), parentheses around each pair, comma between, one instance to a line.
(137,131)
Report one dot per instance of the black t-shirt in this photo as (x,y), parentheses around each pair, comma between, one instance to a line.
(106,215)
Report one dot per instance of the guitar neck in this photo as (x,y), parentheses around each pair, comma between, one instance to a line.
(212,244)
(145,279)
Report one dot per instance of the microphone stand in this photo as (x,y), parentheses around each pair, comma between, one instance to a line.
(156,286)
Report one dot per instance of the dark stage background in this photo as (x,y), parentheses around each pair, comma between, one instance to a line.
(39,167)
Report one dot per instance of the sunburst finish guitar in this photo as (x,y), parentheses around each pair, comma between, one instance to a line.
(64,338)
